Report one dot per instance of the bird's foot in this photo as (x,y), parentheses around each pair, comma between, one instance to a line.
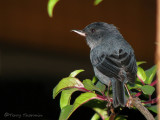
(129,102)
(109,100)
(108,104)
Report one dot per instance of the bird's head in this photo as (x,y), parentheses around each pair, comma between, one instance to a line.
(97,32)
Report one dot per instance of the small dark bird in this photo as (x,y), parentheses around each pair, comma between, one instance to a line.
(112,58)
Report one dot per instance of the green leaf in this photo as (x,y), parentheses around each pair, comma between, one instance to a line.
(90,86)
(51,5)
(95,117)
(121,117)
(156,118)
(64,115)
(101,112)
(153,108)
(83,98)
(147,89)
(140,62)
(75,73)
(66,97)
(136,86)
(68,82)
(107,118)
(141,74)
(101,86)
(96,2)
(94,80)
(150,73)
(99,106)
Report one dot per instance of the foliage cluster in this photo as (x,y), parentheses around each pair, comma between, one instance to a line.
(94,93)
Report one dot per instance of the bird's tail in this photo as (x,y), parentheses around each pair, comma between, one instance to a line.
(118,93)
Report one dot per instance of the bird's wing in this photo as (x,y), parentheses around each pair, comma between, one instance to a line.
(112,64)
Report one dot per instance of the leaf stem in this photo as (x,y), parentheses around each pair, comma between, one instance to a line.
(141,80)
(154,82)
(101,97)
(84,90)
(150,97)
(155,100)
(138,94)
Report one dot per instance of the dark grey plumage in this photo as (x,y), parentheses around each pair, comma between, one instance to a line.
(112,58)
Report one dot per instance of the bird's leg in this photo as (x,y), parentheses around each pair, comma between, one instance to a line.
(109,102)
(128,104)
(128,90)
(110,109)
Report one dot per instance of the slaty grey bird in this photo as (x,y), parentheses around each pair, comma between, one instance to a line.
(112,58)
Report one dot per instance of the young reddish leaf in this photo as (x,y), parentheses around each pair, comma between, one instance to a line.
(66,97)
(75,73)
(69,82)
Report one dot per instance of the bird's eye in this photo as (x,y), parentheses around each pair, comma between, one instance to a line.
(93,30)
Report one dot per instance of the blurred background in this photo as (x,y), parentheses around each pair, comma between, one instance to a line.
(37,51)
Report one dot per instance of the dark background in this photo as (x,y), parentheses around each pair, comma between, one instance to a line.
(37,51)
